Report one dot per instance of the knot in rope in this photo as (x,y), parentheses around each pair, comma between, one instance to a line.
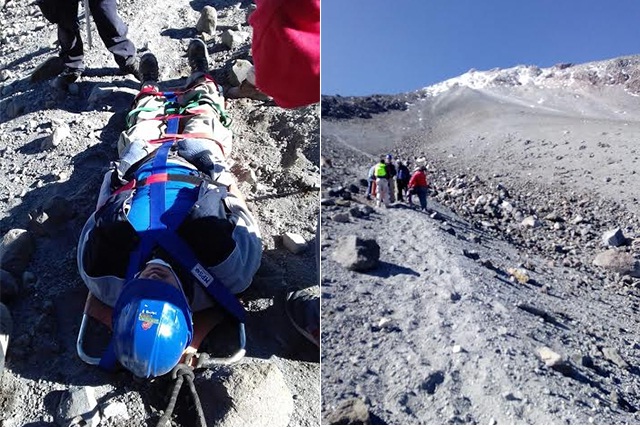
(180,373)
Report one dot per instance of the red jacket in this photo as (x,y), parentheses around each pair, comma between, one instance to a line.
(286,50)
(418,179)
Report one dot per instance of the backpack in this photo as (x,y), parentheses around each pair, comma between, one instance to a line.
(381,170)
(403,173)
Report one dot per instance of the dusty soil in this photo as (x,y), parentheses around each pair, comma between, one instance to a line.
(448,328)
(281,147)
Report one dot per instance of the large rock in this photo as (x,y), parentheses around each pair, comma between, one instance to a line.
(614,238)
(208,20)
(254,395)
(115,409)
(357,254)
(531,222)
(232,39)
(550,357)
(59,134)
(241,70)
(295,243)
(612,355)
(16,249)
(350,412)
(618,262)
(78,407)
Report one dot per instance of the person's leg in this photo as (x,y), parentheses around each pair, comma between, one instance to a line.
(71,49)
(369,188)
(392,189)
(113,31)
(399,186)
(206,102)
(422,195)
(379,191)
(141,123)
(383,189)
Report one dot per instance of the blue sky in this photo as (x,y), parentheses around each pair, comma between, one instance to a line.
(393,46)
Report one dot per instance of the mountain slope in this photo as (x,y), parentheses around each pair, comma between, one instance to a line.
(452,326)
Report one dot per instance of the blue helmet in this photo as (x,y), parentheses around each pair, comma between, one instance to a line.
(152,326)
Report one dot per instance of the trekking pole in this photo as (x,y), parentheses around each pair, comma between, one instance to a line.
(87,20)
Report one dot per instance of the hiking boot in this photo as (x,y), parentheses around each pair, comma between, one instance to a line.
(131,67)
(198,56)
(66,77)
(148,68)
(6,325)
(303,309)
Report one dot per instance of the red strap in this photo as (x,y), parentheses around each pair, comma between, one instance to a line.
(128,186)
(150,90)
(157,177)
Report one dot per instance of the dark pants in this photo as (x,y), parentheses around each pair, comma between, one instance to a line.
(401,186)
(112,30)
(421,192)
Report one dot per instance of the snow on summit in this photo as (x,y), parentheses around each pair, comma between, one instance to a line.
(607,72)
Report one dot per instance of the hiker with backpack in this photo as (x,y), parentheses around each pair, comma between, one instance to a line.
(172,241)
(418,186)
(382,182)
(402,180)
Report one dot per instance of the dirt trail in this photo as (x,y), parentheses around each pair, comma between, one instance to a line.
(442,332)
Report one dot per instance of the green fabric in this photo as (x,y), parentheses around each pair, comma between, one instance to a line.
(133,114)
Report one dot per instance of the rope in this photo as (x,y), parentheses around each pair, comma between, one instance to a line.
(180,373)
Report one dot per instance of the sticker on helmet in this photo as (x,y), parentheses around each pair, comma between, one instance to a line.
(148,320)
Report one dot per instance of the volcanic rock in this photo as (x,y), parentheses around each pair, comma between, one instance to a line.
(16,249)
(357,254)
(295,243)
(208,20)
(79,407)
(614,237)
(619,262)
(350,412)
(257,394)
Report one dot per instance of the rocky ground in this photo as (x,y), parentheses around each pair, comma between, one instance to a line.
(55,148)
(515,299)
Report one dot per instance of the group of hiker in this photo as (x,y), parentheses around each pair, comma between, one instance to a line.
(389,182)
(172,242)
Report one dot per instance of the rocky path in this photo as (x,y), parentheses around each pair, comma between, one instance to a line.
(459,324)
(49,187)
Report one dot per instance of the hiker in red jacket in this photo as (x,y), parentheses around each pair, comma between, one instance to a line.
(418,186)
(286,50)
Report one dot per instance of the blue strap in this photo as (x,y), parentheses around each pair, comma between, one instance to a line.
(173,124)
(157,196)
(185,256)
(163,234)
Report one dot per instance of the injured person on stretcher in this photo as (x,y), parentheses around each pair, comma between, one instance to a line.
(171,242)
